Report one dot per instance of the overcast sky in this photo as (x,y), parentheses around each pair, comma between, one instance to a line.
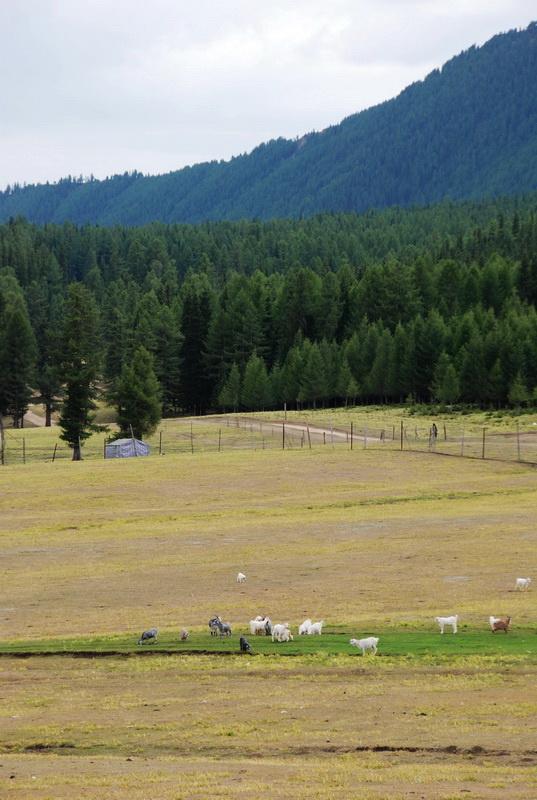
(104,86)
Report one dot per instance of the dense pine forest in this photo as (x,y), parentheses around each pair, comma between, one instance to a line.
(469,130)
(429,305)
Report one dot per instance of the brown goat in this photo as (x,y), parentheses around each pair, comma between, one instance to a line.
(499,624)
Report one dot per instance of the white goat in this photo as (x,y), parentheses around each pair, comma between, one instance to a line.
(260,626)
(282,633)
(523,583)
(365,645)
(241,577)
(443,621)
(316,628)
(304,628)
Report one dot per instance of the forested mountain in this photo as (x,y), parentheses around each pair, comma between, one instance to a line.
(435,304)
(469,130)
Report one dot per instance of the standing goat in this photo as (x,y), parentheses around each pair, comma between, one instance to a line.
(499,624)
(366,645)
(522,584)
(316,628)
(443,621)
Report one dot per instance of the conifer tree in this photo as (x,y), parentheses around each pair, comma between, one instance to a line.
(17,360)
(229,395)
(518,393)
(137,396)
(445,386)
(79,367)
(255,384)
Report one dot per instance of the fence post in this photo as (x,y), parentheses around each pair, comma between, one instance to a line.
(445,434)
(54,453)
(283,435)
(401,434)
(24,450)
(324,437)
(352,434)
(219,439)
(160,443)
(483,448)
(462,443)
(2,456)
(518,440)
(191,439)
(104,447)
(393,433)
(365,438)
(309,437)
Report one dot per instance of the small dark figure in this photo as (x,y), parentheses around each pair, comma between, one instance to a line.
(434,431)
(244,645)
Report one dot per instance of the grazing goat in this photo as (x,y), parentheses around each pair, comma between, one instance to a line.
(244,645)
(443,621)
(365,645)
(183,635)
(281,633)
(241,577)
(316,628)
(148,636)
(499,624)
(523,583)
(304,628)
(260,626)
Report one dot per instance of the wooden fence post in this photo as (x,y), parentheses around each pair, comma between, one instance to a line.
(219,439)
(401,434)
(191,439)
(283,435)
(24,450)
(54,453)
(352,434)
(483,448)
(462,443)
(160,443)
(309,437)
(518,440)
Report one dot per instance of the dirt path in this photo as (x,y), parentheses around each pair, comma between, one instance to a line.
(316,432)
(34,419)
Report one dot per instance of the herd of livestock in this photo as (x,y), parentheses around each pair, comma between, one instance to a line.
(281,632)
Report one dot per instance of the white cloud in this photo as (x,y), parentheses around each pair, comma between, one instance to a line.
(100,86)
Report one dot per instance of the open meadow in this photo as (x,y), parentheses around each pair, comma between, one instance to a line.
(373,542)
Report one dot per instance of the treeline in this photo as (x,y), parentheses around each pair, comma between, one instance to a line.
(420,304)
(467,131)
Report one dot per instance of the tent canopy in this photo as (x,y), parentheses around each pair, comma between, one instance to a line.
(126,448)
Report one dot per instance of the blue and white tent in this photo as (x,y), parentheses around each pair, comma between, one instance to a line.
(126,448)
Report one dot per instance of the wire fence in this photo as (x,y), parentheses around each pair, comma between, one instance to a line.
(225,433)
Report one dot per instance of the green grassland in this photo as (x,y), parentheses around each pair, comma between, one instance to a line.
(395,643)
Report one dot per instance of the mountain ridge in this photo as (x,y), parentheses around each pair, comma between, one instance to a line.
(468,130)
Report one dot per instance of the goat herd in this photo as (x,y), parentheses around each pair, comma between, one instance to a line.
(281,632)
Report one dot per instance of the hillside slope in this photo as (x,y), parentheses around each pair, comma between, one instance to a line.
(468,130)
